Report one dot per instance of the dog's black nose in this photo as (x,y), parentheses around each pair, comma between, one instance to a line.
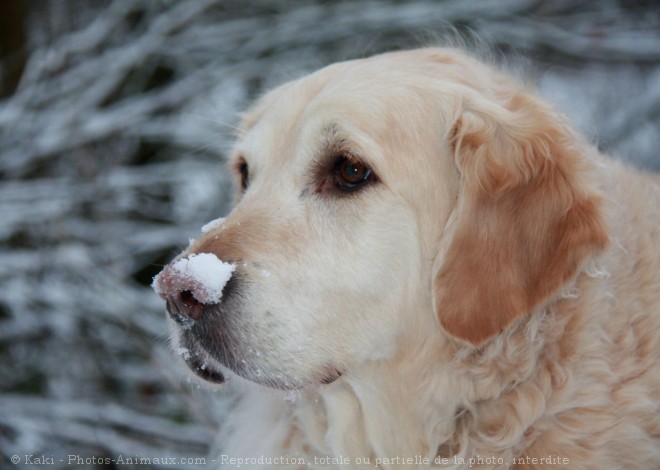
(191,283)
(184,304)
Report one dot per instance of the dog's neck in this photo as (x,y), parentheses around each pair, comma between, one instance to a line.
(445,405)
(383,411)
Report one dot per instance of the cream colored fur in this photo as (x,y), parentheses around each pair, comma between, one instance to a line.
(494,296)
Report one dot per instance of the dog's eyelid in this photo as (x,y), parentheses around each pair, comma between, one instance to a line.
(242,170)
(348,150)
(237,162)
(337,140)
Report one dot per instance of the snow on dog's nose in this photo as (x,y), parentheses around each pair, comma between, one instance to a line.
(190,283)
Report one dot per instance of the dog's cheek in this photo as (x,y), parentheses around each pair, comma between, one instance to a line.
(351,293)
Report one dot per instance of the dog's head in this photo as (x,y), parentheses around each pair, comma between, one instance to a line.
(377,196)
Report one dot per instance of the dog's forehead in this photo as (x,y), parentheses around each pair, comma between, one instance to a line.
(361,101)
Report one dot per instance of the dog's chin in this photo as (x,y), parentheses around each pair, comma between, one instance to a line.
(215,371)
(219,375)
(287,384)
(200,363)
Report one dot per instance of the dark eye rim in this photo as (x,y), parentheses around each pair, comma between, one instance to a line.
(344,185)
(243,171)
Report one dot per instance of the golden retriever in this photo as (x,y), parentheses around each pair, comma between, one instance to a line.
(427,268)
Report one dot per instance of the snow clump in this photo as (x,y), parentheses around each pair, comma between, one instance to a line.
(204,274)
(213,224)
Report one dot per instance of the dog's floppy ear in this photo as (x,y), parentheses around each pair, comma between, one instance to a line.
(525,219)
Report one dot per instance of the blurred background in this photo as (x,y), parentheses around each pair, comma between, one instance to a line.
(115,119)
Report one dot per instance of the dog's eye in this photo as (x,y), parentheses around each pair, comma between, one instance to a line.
(244,171)
(350,175)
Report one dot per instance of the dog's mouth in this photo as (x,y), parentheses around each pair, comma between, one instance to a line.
(200,363)
(211,369)
(204,371)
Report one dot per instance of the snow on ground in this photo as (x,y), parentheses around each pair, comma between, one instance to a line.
(112,148)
